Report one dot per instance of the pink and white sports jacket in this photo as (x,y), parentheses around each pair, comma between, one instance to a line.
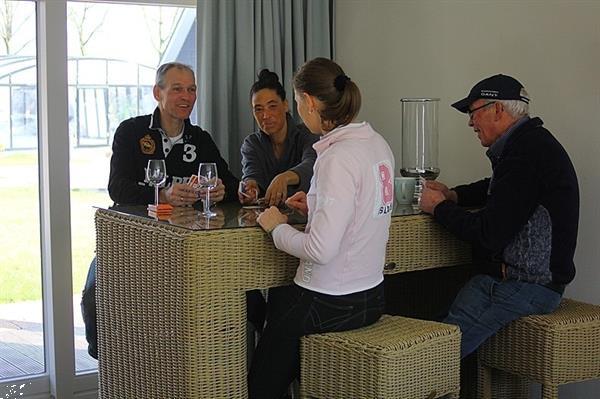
(350,202)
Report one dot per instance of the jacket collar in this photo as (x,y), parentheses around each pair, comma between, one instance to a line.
(359,130)
(155,125)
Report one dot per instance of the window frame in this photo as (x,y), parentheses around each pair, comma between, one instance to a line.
(60,379)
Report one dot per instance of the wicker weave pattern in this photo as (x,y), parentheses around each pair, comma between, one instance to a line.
(552,349)
(396,357)
(418,243)
(171,304)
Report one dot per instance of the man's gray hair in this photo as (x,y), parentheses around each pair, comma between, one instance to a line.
(162,70)
(517,108)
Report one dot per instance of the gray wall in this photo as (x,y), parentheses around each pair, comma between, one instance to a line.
(437,48)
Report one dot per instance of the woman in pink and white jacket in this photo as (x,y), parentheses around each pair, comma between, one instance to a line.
(339,281)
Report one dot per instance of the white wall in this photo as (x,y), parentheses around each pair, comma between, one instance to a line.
(437,48)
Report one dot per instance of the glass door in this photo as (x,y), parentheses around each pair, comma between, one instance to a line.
(21,327)
(113,51)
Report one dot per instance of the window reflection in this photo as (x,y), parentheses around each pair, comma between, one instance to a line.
(114,50)
(21,329)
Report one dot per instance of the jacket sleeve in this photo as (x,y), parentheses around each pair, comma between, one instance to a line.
(125,182)
(253,165)
(304,169)
(513,199)
(474,194)
(334,208)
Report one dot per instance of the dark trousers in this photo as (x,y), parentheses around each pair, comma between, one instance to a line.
(255,309)
(88,310)
(293,312)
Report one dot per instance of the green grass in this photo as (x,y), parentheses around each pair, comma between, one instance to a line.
(20,264)
(18,158)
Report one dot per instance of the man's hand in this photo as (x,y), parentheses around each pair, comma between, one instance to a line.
(438,186)
(178,194)
(430,198)
(298,203)
(248,192)
(271,218)
(277,191)
(216,194)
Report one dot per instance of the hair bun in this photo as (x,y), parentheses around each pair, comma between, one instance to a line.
(267,76)
(340,82)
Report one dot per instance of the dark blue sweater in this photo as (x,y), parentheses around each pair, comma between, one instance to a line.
(529,212)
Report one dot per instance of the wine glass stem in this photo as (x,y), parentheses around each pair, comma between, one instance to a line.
(207,202)
(156,194)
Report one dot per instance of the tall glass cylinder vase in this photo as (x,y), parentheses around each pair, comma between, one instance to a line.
(420,140)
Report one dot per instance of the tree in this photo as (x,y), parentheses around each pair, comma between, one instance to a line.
(79,16)
(160,25)
(11,22)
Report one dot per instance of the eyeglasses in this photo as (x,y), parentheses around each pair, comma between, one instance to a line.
(470,112)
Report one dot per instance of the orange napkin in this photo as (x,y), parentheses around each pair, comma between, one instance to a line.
(161,210)
(159,216)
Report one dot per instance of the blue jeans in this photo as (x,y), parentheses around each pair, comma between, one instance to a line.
(88,310)
(293,312)
(486,304)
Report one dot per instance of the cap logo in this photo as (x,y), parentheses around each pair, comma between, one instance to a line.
(489,93)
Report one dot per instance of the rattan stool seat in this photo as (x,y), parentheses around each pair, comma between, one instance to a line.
(397,357)
(553,349)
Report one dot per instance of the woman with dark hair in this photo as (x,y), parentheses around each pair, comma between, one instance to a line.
(339,281)
(277,160)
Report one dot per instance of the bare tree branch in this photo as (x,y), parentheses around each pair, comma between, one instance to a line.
(160,29)
(10,26)
(80,21)
(6,24)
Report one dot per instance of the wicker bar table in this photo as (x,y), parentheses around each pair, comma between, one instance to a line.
(171,294)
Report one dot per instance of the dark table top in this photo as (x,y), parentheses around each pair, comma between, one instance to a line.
(230,215)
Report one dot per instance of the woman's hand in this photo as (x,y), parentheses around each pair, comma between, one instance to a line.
(277,191)
(271,218)
(248,192)
(298,203)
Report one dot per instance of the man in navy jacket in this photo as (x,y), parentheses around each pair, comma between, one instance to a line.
(524,230)
(165,134)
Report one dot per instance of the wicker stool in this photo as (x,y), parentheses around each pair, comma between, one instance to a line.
(396,357)
(553,349)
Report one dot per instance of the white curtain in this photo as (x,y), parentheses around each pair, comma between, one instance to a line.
(236,39)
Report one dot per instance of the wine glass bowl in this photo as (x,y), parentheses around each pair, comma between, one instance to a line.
(156,174)
(207,180)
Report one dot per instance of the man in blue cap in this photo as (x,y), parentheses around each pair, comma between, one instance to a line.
(525,229)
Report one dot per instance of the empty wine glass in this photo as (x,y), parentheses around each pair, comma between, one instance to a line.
(156,173)
(207,179)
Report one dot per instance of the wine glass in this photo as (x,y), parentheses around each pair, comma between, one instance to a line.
(156,173)
(207,179)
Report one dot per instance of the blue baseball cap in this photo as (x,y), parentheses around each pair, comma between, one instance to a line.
(497,87)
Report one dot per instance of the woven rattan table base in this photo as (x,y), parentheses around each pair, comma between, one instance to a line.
(171,304)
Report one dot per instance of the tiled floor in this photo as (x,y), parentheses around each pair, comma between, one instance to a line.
(21,340)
